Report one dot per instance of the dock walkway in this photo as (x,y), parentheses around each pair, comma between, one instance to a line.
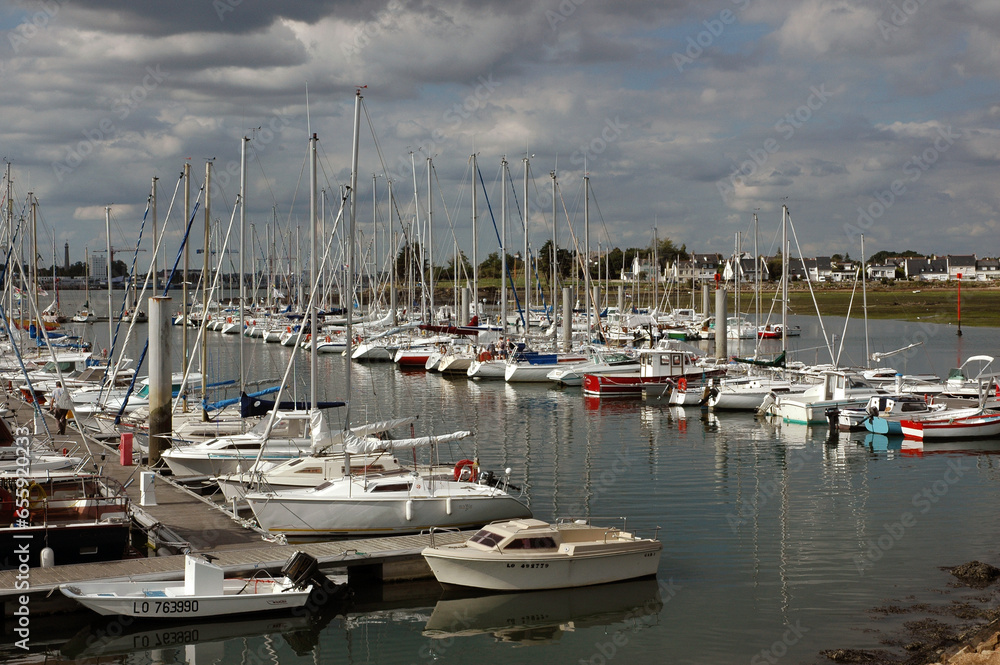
(181,521)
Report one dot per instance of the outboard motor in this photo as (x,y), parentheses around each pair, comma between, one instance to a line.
(832,416)
(302,570)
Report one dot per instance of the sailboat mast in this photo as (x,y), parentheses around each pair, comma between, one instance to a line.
(185,308)
(586,249)
(349,287)
(475,241)
(152,196)
(784,278)
(503,244)
(205,281)
(555,252)
(243,246)
(527,260)
(864,302)
(34,258)
(314,248)
(430,242)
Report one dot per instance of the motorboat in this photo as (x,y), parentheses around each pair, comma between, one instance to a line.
(660,367)
(838,390)
(204,592)
(983,424)
(80,517)
(883,413)
(529,554)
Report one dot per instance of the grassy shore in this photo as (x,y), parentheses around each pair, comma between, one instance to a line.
(908,301)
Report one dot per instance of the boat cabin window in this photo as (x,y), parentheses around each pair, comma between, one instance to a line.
(544,543)
(914,406)
(676,360)
(391,487)
(487,538)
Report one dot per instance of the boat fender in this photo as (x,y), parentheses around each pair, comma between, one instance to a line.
(47,557)
(447,505)
(466,464)
(682,383)
(408,510)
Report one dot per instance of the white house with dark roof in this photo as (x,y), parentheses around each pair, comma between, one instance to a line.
(987,269)
(964,264)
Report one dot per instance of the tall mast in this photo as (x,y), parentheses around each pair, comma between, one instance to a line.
(475,241)
(205,281)
(34,257)
(314,249)
(243,247)
(527,260)
(156,236)
(419,235)
(864,301)
(430,241)
(503,244)
(586,249)
(111,316)
(784,277)
(350,255)
(185,308)
(555,251)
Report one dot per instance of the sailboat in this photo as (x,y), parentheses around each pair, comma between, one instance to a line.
(393,502)
(85,314)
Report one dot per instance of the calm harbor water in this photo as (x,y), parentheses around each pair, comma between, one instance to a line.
(778,540)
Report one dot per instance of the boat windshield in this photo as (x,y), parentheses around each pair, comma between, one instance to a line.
(544,543)
(487,538)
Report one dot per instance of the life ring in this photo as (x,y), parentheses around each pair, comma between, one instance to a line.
(328,340)
(229,319)
(466,464)
(682,383)
(65,452)
(36,495)
(288,329)
(6,507)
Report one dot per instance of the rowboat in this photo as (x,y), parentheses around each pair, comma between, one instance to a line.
(967,427)
(204,592)
(529,554)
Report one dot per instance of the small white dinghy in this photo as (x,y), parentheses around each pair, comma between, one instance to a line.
(203,593)
(529,554)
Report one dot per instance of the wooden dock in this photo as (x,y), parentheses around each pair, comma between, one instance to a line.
(182,520)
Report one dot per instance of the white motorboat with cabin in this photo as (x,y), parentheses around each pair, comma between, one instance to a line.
(529,554)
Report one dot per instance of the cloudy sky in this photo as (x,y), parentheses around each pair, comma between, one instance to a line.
(872,116)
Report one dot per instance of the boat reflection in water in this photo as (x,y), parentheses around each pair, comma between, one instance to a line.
(125,635)
(540,617)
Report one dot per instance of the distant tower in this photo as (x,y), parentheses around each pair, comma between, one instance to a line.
(67,256)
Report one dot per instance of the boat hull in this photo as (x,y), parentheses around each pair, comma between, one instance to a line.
(530,572)
(972,427)
(365,516)
(161,600)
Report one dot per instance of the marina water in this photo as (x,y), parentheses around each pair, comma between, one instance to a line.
(779,540)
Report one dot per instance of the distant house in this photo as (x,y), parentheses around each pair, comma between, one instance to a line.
(987,269)
(964,264)
(927,269)
(700,268)
(887,271)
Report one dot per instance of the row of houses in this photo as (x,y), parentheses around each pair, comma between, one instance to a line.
(705,267)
